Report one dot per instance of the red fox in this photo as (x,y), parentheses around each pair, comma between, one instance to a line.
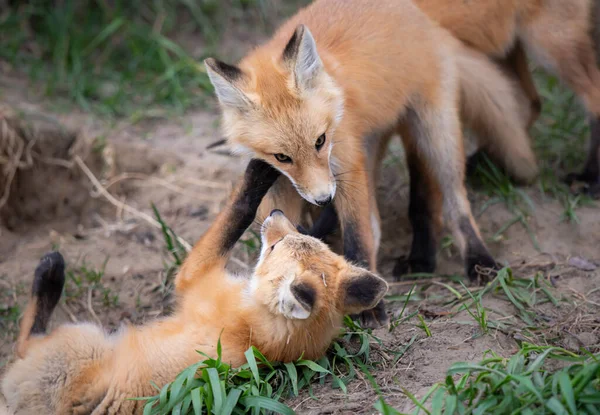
(341,71)
(292,306)
(501,29)
(557,34)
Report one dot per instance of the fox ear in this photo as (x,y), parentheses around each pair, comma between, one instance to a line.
(302,56)
(362,290)
(224,77)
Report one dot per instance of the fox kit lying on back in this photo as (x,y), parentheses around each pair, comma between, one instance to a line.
(556,33)
(291,306)
(335,73)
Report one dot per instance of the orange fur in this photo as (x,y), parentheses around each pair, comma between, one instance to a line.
(350,69)
(556,34)
(291,306)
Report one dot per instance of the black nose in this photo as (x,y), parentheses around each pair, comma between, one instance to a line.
(324,202)
(276,212)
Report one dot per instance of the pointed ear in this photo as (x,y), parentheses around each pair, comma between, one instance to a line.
(224,78)
(362,290)
(302,57)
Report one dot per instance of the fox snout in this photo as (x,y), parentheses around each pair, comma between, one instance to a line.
(322,196)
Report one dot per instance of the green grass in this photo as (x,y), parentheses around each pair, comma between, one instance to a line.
(500,189)
(176,253)
(212,386)
(560,142)
(10,310)
(118,58)
(530,382)
(526,383)
(85,280)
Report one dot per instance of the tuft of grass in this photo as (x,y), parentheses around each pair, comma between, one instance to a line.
(10,311)
(212,386)
(525,294)
(500,189)
(176,253)
(526,383)
(174,247)
(83,279)
(479,314)
(560,142)
(118,58)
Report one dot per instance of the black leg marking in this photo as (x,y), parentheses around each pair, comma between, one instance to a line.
(47,288)
(354,249)
(258,179)
(423,251)
(326,223)
(478,258)
(591,170)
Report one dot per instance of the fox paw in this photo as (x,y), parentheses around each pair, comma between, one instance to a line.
(482,269)
(374,318)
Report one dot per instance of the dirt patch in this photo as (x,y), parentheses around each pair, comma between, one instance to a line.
(36,179)
(119,269)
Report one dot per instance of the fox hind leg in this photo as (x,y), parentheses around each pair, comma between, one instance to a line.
(424,212)
(437,138)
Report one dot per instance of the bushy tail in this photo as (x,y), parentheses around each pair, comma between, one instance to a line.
(498,112)
(48,283)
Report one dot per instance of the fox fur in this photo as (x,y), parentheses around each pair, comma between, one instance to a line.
(333,75)
(291,306)
(563,36)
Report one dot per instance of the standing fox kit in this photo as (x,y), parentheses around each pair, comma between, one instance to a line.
(291,306)
(332,75)
(556,33)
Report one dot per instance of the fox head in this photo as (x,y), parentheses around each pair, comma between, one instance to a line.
(284,110)
(299,277)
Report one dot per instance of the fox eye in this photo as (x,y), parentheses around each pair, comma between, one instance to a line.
(320,141)
(282,158)
(273,246)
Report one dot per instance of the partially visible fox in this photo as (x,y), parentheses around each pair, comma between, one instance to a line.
(291,306)
(561,35)
(340,71)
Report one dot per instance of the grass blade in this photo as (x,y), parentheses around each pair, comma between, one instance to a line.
(268,404)
(293,374)
(567,391)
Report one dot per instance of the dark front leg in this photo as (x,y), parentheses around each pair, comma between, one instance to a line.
(325,225)
(591,170)
(212,250)
(258,179)
(358,248)
(355,249)
(421,213)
